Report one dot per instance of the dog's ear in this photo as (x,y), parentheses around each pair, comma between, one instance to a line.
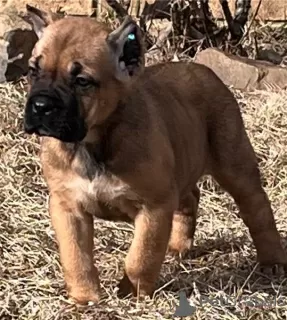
(127,50)
(40,19)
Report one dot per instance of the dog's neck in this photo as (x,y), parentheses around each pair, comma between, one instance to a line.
(98,146)
(94,153)
(88,158)
(92,159)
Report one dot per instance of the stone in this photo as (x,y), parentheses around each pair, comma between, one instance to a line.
(243,73)
(17,40)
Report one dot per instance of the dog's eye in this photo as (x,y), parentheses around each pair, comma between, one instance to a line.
(83,82)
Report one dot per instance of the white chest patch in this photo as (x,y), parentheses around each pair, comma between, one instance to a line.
(101,188)
(108,190)
(104,187)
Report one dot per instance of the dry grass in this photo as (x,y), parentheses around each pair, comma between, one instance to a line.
(221,264)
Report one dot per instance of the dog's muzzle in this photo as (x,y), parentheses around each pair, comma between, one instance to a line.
(46,115)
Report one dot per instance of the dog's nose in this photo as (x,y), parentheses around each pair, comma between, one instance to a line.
(41,105)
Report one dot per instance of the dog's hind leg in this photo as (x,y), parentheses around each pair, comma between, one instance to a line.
(234,166)
(184,223)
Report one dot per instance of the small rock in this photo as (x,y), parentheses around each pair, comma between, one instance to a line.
(243,73)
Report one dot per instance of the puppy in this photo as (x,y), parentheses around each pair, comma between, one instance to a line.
(124,142)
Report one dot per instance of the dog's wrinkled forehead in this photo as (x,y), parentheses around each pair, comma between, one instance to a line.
(71,39)
(88,42)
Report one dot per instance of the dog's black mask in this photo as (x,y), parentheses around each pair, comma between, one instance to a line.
(53,110)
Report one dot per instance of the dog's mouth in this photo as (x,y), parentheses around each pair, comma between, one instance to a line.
(44,117)
(40,131)
(68,132)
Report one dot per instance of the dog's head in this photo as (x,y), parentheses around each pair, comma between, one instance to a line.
(78,72)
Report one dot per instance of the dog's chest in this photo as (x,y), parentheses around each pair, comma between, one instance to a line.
(106,189)
(101,188)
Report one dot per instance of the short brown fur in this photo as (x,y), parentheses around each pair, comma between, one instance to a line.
(157,137)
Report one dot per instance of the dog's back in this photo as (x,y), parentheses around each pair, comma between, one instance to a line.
(192,108)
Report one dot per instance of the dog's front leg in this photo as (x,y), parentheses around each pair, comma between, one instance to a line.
(74,233)
(147,251)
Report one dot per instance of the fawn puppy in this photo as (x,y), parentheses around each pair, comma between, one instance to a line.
(123,142)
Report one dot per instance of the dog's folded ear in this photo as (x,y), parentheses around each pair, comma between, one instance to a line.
(127,50)
(40,19)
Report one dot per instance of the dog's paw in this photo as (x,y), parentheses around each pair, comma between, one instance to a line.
(180,247)
(84,297)
(84,300)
